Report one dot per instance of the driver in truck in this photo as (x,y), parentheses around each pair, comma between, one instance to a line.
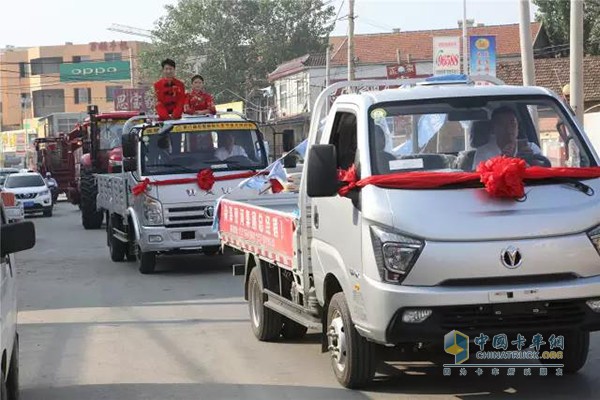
(503,138)
(228,148)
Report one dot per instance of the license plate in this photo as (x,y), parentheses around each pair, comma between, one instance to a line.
(514,295)
(28,204)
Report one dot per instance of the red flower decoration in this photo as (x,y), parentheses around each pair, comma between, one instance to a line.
(140,187)
(206,179)
(503,176)
(349,177)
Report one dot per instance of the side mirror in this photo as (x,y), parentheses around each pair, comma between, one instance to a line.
(129,141)
(16,237)
(129,164)
(322,176)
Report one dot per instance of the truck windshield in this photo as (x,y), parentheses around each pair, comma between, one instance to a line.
(110,133)
(457,134)
(192,147)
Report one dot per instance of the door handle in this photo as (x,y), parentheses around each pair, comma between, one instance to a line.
(316,217)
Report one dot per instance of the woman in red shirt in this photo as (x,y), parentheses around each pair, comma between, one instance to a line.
(198,101)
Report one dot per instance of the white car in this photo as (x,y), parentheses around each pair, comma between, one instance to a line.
(4,172)
(31,191)
(14,237)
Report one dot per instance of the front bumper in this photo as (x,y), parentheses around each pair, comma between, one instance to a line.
(173,239)
(560,305)
(37,204)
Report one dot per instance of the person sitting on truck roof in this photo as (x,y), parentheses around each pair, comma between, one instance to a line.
(198,101)
(228,148)
(170,93)
(503,139)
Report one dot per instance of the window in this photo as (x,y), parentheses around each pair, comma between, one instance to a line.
(283,98)
(83,95)
(23,69)
(78,59)
(25,100)
(47,65)
(48,102)
(343,137)
(300,96)
(112,57)
(66,124)
(110,92)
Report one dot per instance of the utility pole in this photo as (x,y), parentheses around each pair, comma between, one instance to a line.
(576,75)
(465,40)
(351,41)
(327,64)
(526,44)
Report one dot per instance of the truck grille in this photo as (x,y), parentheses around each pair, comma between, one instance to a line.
(25,196)
(534,315)
(185,217)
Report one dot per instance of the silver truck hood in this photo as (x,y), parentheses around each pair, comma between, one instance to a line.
(472,215)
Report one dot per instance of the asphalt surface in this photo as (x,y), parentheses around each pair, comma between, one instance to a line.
(92,329)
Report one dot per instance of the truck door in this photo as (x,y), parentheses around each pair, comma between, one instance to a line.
(336,223)
(8,297)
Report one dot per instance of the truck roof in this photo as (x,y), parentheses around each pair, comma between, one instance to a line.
(444,91)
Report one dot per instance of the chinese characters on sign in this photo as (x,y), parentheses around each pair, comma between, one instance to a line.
(482,55)
(134,100)
(401,71)
(272,232)
(106,46)
(446,55)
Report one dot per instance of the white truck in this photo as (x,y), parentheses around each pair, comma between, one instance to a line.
(418,251)
(171,213)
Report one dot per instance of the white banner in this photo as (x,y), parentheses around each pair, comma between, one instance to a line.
(446,55)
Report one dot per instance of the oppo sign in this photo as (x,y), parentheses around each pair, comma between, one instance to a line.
(95,71)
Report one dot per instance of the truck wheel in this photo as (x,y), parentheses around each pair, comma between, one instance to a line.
(266,323)
(115,246)
(12,381)
(352,356)
(577,345)
(91,218)
(48,212)
(147,261)
(292,330)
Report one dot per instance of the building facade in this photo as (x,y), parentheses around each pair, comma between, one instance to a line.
(38,81)
(297,83)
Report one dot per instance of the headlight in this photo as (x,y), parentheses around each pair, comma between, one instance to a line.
(152,211)
(45,193)
(594,236)
(395,254)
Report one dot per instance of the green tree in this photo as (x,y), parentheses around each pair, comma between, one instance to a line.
(236,42)
(555,16)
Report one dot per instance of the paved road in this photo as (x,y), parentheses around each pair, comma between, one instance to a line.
(92,329)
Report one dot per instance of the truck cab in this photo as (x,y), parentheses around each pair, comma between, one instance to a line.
(400,243)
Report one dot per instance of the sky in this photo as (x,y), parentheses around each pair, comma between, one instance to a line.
(55,22)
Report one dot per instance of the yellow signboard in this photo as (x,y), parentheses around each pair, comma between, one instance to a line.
(213,126)
(237,106)
(9,141)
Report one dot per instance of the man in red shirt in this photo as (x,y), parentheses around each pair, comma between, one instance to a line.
(170,93)
(198,101)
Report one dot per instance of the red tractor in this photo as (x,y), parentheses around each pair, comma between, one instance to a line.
(101,146)
(57,155)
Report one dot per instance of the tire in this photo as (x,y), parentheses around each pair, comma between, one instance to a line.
(352,356)
(147,262)
(577,345)
(90,217)
(211,250)
(291,330)
(12,381)
(116,247)
(48,212)
(266,323)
